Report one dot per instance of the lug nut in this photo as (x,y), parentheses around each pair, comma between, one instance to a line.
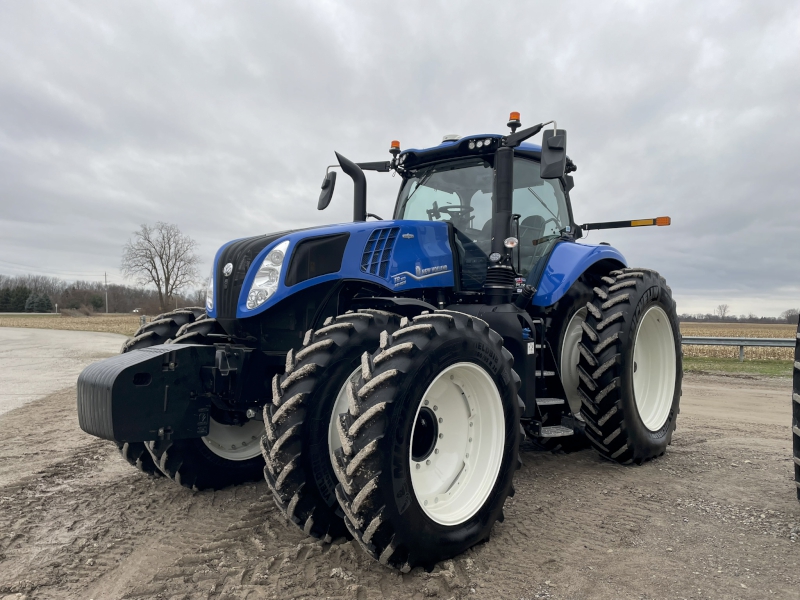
(250,413)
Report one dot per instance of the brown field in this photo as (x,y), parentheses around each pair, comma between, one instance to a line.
(126,324)
(754,330)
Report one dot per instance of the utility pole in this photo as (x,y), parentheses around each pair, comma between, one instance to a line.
(105,278)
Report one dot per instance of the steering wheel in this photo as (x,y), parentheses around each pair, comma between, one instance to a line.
(460,210)
(451,210)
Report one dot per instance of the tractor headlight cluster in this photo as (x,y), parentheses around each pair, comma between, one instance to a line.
(210,291)
(267,277)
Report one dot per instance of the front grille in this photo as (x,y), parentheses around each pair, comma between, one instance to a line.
(240,254)
(378,251)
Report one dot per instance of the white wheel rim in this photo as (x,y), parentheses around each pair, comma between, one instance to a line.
(570,356)
(334,441)
(453,476)
(654,368)
(234,442)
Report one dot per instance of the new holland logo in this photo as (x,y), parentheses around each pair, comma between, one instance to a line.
(419,274)
(431,270)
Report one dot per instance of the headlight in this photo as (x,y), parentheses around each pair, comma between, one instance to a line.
(210,291)
(265,283)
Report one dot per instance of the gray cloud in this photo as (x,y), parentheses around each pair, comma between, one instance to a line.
(221,117)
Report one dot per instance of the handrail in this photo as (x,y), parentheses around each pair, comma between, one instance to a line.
(739,341)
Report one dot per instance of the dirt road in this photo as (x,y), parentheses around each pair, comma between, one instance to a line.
(715,518)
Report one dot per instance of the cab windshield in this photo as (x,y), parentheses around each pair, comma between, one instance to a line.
(460,192)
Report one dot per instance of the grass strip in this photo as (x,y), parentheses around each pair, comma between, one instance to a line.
(763,368)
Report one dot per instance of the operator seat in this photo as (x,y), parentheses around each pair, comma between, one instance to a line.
(530,229)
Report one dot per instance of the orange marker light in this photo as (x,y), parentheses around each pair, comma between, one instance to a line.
(396,144)
(662,221)
(514,116)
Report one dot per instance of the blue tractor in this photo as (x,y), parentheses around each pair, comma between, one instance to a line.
(381,374)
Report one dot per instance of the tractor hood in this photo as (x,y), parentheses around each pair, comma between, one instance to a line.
(397,255)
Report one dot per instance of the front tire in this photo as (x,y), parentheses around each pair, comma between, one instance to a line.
(631,366)
(430,442)
(300,421)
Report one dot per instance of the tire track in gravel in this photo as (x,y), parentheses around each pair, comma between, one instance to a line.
(716,513)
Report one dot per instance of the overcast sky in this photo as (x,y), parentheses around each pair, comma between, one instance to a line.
(221,118)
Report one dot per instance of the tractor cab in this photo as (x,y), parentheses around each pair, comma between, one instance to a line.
(461,191)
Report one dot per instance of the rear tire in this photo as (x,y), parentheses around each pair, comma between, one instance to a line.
(402,510)
(631,366)
(299,433)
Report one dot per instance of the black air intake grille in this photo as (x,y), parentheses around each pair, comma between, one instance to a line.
(378,251)
(314,257)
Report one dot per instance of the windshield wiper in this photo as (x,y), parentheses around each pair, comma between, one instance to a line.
(555,216)
(561,234)
(422,180)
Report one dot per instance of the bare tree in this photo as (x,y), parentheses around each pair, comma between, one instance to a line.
(722,311)
(160,254)
(791,315)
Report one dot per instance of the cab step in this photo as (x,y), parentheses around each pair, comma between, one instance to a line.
(556,431)
(545,373)
(549,401)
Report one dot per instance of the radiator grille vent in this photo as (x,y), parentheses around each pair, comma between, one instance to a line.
(378,251)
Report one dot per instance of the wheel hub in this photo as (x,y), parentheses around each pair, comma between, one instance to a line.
(457,443)
(234,442)
(426,433)
(654,366)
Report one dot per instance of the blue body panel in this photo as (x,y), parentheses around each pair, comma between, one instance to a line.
(421,258)
(567,263)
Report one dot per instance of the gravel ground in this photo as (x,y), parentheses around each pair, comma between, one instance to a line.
(36,362)
(714,518)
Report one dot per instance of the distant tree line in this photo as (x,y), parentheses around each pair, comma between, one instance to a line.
(787,316)
(39,293)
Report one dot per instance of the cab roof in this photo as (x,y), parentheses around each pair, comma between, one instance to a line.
(464,147)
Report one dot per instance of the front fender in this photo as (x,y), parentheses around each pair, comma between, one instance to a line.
(566,264)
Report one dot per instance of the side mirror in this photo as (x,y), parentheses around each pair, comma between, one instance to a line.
(326,194)
(554,154)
